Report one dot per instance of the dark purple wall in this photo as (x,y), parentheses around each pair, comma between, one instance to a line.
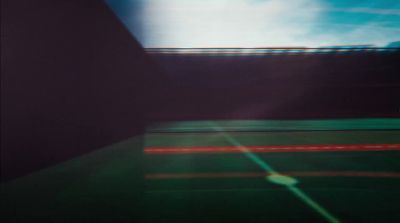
(286,86)
(72,80)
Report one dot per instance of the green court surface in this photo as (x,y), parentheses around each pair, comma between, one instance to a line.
(224,171)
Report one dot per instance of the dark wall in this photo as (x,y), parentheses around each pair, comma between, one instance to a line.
(358,84)
(72,80)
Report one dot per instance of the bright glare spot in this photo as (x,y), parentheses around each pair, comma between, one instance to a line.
(282,179)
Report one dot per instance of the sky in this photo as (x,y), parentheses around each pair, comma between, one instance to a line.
(260,23)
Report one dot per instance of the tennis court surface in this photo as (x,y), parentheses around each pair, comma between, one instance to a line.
(344,170)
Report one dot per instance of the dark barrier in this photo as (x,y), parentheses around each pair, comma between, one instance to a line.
(72,80)
(279,83)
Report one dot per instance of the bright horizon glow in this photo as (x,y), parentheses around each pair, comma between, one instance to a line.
(260,23)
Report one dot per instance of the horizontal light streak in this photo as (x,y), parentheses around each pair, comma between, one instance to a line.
(264,51)
(270,149)
(162,176)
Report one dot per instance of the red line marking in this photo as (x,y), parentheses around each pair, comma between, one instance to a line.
(160,176)
(268,149)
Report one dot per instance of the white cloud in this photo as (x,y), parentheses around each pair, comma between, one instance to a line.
(229,23)
(256,23)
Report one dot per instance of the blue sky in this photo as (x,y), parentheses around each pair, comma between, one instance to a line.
(260,23)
